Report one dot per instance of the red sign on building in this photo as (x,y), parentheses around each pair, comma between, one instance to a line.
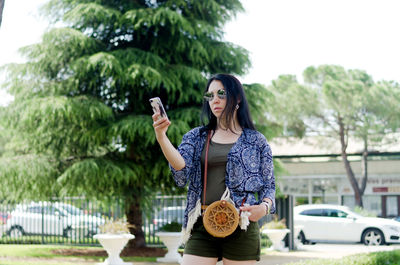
(380,189)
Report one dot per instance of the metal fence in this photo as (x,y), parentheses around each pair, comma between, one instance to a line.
(74,221)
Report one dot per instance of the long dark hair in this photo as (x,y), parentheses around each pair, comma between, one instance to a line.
(235,93)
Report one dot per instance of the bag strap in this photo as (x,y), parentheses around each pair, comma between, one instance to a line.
(205,174)
(205,168)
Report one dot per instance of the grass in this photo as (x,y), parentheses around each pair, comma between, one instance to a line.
(42,254)
(33,263)
(36,251)
(373,258)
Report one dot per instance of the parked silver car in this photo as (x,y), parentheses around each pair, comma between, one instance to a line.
(37,218)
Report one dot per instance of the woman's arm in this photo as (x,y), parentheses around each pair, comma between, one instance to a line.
(267,194)
(181,160)
(170,152)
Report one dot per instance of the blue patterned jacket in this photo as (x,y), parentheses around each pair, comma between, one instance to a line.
(249,170)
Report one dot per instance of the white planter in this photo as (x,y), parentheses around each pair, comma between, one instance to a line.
(276,236)
(113,244)
(172,241)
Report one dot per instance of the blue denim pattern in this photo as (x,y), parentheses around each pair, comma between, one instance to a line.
(249,169)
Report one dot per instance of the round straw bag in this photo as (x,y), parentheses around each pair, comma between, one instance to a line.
(220,218)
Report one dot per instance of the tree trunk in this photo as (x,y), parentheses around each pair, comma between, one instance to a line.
(1,10)
(364,167)
(347,166)
(134,213)
(134,217)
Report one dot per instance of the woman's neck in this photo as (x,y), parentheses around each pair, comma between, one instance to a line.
(235,127)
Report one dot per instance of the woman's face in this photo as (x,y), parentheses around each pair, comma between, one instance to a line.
(217,104)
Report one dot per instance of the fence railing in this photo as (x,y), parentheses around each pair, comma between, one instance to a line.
(74,221)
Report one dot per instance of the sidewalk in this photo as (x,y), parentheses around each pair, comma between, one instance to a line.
(321,251)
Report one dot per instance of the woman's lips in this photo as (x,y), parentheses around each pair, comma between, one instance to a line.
(217,108)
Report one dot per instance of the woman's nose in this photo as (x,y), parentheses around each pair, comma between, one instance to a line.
(215,99)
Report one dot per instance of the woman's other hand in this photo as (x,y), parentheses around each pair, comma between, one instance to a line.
(160,125)
(257,211)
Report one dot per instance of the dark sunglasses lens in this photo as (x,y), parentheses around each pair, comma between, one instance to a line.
(208,96)
(221,94)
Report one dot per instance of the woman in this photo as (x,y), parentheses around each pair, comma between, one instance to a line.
(239,162)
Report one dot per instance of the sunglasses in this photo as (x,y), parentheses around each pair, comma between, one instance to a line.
(209,96)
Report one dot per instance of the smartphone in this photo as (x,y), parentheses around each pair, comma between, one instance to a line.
(158,107)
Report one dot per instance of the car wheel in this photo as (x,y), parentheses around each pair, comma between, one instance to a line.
(373,237)
(302,238)
(70,233)
(90,234)
(16,232)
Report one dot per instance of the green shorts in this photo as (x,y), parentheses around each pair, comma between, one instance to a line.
(240,245)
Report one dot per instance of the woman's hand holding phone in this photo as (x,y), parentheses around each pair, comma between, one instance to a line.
(160,125)
(160,118)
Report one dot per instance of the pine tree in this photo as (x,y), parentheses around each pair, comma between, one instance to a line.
(81,121)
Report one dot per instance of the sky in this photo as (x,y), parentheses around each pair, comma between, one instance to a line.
(282,36)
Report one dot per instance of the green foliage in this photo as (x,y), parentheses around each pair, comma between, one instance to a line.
(337,103)
(173,226)
(351,98)
(364,212)
(4,137)
(290,104)
(27,176)
(82,97)
(115,227)
(80,124)
(275,224)
(42,253)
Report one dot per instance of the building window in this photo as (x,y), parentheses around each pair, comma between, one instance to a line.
(391,206)
(372,203)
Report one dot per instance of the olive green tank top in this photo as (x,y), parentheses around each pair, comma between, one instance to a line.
(216,170)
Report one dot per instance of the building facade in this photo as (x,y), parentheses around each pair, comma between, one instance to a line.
(317,175)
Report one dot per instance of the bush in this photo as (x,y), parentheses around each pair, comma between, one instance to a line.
(171,227)
(275,224)
(119,226)
(364,212)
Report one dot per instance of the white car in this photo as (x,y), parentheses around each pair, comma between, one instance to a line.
(60,219)
(323,222)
